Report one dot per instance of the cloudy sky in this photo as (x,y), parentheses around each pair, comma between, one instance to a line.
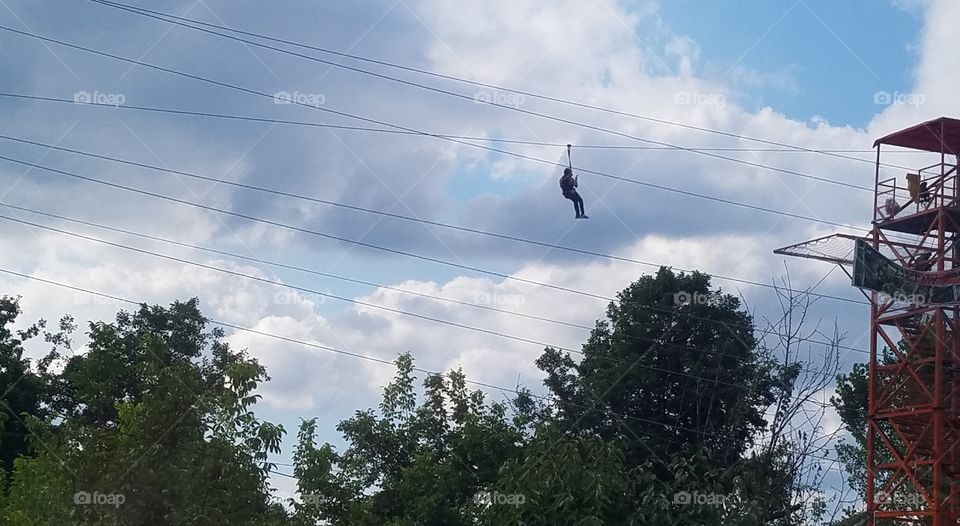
(816,74)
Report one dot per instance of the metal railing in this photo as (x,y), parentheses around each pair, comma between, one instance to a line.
(937,186)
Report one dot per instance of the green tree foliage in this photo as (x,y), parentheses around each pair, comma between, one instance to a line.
(153,425)
(669,394)
(586,481)
(451,458)
(713,402)
(22,390)
(408,463)
(655,424)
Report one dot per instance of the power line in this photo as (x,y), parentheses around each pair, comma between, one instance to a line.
(383,123)
(283,225)
(364,357)
(317,233)
(460,228)
(311,232)
(368,304)
(297,268)
(365,244)
(488,102)
(177,20)
(285,285)
(344,127)
(404,291)
(322,235)
(15,160)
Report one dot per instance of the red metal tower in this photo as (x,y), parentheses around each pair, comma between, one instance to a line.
(913,414)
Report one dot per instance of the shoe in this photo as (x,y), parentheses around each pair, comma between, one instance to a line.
(578,216)
(582,216)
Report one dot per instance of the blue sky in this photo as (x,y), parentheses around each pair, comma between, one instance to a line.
(828,57)
(777,66)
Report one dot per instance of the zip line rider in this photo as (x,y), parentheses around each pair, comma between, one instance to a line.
(568,184)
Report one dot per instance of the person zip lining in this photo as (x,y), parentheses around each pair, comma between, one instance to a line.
(568,184)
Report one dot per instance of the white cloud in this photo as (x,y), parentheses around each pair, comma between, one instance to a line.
(933,78)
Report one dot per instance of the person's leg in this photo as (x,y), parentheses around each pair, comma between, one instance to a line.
(572,197)
(579,206)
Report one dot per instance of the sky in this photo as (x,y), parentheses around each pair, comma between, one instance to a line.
(815,74)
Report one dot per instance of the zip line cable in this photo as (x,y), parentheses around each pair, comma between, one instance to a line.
(491,103)
(294,267)
(404,291)
(344,127)
(165,17)
(472,145)
(319,234)
(366,357)
(387,309)
(242,89)
(340,238)
(307,231)
(367,304)
(284,285)
(698,377)
(388,214)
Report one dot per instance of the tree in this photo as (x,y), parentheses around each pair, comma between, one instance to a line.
(674,369)
(786,469)
(675,375)
(411,464)
(22,390)
(675,414)
(561,479)
(153,425)
(454,459)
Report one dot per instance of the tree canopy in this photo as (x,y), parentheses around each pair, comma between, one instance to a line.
(675,367)
(672,413)
(152,425)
